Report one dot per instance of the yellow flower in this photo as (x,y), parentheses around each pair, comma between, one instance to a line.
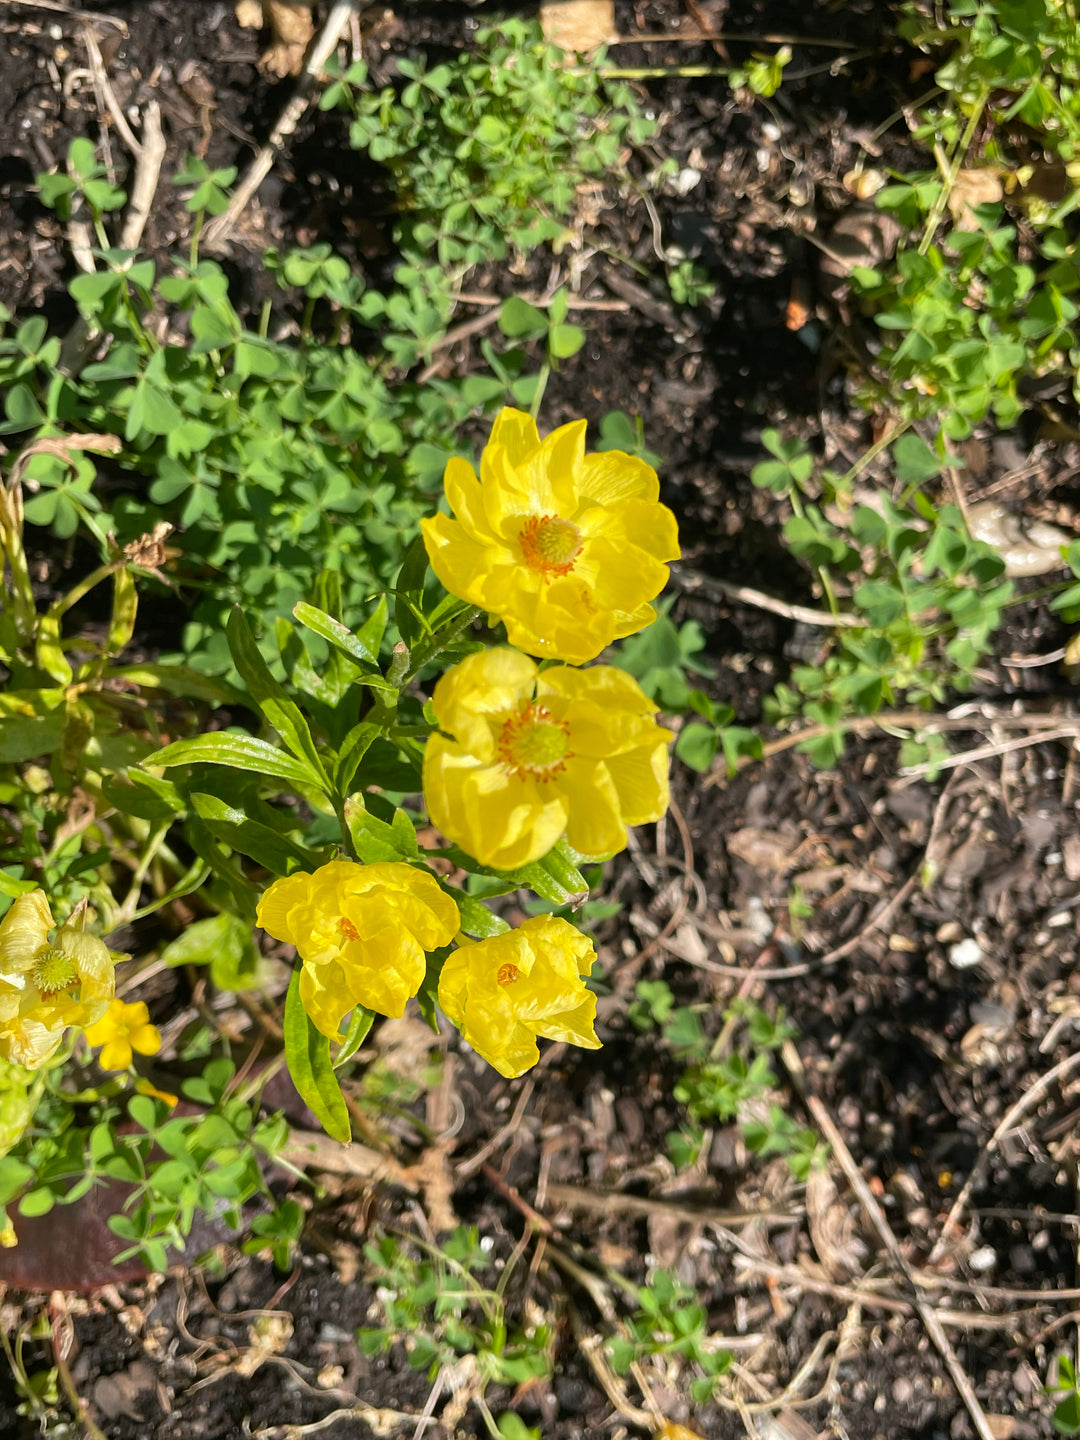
(47,985)
(536,754)
(503,992)
(361,931)
(567,549)
(122,1029)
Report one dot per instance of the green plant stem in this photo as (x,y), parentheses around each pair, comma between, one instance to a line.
(892,432)
(541,386)
(103,572)
(196,232)
(653,72)
(822,574)
(937,210)
(423,654)
(24,609)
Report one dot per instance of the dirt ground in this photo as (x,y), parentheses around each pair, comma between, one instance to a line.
(937,1020)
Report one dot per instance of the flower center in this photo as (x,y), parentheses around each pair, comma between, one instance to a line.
(508,974)
(531,743)
(53,972)
(348,929)
(549,545)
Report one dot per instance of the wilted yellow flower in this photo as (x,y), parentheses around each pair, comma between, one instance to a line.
(122,1029)
(503,992)
(361,931)
(537,754)
(144,1087)
(47,985)
(567,549)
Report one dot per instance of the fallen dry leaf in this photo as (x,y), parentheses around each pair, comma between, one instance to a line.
(979,186)
(291,30)
(580,25)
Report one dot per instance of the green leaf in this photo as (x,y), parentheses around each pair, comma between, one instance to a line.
(242,752)
(283,714)
(225,943)
(697,745)
(410,591)
(373,839)
(339,635)
(880,602)
(518,319)
(359,1029)
(512,1427)
(307,1052)
(14,1174)
(565,340)
(914,460)
(37,1202)
(353,749)
(1066,1417)
(476,919)
(264,845)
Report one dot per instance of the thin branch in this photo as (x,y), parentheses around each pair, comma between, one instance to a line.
(1008,1121)
(876,1216)
(222,225)
(746,595)
(151,153)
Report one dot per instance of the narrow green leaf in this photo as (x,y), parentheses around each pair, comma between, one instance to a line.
(178,680)
(371,632)
(410,588)
(124,608)
(307,1052)
(359,1029)
(338,634)
(283,714)
(242,752)
(476,919)
(353,749)
(265,846)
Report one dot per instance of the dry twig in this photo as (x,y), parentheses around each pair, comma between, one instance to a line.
(874,1213)
(219,229)
(1011,1118)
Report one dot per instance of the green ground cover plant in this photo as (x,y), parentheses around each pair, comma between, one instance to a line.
(277,458)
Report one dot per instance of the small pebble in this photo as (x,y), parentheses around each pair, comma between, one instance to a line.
(966,953)
(983,1259)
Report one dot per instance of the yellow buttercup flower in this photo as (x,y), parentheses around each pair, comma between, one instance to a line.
(362,932)
(503,992)
(47,985)
(122,1029)
(567,549)
(533,755)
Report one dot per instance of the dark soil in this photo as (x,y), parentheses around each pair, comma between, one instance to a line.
(916,1055)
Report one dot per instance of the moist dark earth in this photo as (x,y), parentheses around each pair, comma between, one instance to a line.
(915,1055)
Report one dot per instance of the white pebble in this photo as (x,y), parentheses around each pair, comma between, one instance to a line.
(966,953)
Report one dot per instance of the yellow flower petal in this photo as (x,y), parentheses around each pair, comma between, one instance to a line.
(613,478)
(122,1028)
(567,549)
(516,432)
(28,1042)
(361,932)
(528,756)
(115,1055)
(503,992)
(23,931)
